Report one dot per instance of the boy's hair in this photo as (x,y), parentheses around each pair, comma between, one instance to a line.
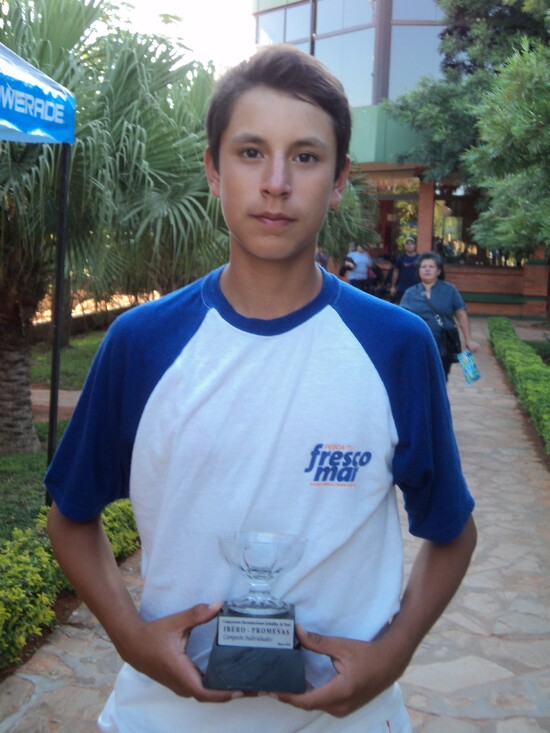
(288,70)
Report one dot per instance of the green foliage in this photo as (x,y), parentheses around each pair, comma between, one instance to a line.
(21,492)
(120,526)
(516,213)
(353,221)
(478,37)
(29,584)
(140,215)
(481,34)
(542,348)
(528,374)
(75,360)
(28,173)
(441,111)
(30,577)
(512,160)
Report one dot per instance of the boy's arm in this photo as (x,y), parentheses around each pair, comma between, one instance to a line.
(155,648)
(365,669)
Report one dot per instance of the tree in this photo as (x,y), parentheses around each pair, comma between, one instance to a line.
(145,137)
(134,178)
(512,160)
(478,36)
(441,110)
(353,221)
(28,213)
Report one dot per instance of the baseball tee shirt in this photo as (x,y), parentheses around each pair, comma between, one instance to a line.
(214,423)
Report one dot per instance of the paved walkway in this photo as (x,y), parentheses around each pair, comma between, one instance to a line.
(66,400)
(486,664)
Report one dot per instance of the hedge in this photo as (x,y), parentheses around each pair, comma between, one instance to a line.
(528,373)
(31,579)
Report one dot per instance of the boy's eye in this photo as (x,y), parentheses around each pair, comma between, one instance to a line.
(250,153)
(306,157)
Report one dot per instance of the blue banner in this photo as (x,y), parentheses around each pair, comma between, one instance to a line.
(33,107)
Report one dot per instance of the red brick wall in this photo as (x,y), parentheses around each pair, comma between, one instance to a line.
(504,291)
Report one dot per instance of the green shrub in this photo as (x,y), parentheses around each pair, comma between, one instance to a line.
(120,527)
(28,588)
(30,577)
(529,375)
(542,348)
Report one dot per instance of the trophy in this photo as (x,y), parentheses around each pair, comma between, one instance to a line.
(256,648)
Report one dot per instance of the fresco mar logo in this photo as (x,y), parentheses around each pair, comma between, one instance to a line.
(336,464)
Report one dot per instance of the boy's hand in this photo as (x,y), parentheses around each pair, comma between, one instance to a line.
(365,669)
(363,672)
(158,651)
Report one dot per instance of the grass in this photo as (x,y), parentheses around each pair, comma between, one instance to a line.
(21,489)
(74,361)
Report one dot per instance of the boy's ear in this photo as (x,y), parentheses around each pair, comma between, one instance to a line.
(340,186)
(212,175)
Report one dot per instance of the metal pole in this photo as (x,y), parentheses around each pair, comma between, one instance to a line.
(57,310)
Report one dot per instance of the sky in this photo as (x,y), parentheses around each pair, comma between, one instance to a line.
(218,30)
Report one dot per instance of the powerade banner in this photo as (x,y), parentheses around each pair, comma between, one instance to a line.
(33,107)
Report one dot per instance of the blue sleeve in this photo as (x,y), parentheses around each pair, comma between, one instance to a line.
(91,466)
(426,462)
(427,465)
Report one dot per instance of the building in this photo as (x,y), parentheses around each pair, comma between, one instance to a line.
(380,49)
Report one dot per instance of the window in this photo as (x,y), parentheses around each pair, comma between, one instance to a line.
(285,25)
(350,57)
(337,15)
(414,53)
(417,10)
(271,27)
(406,32)
(298,22)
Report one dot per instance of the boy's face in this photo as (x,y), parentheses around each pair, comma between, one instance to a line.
(276,175)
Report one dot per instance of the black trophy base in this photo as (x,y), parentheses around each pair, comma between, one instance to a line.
(255,669)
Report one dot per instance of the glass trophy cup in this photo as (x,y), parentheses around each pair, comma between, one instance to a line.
(256,648)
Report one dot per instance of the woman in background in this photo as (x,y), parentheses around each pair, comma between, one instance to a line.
(438,303)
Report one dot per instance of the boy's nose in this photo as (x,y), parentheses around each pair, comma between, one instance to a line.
(277,179)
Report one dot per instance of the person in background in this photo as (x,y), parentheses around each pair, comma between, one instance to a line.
(405,271)
(203,407)
(432,297)
(358,276)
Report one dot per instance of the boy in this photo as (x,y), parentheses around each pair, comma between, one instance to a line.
(204,408)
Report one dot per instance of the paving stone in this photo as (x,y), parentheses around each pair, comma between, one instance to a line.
(15,695)
(457,674)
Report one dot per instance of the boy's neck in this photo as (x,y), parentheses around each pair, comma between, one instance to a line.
(268,290)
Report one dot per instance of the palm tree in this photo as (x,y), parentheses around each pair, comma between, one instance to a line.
(136,178)
(28,212)
(354,220)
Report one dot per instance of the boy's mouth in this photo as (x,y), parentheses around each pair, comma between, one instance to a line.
(273,218)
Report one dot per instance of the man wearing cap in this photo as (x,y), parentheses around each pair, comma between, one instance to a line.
(404,271)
